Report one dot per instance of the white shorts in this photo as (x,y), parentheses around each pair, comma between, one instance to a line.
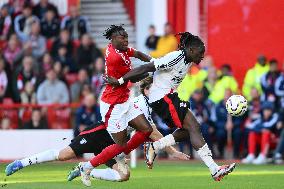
(117,116)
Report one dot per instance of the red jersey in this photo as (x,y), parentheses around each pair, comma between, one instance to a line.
(117,64)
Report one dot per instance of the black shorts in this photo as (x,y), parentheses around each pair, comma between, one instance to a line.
(171,109)
(93,140)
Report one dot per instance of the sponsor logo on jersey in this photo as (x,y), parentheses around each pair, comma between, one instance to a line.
(183,104)
(83,141)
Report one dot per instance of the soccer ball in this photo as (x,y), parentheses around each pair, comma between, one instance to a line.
(236,105)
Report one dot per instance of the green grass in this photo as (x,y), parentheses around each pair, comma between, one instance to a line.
(165,175)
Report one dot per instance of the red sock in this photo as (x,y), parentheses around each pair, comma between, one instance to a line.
(138,138)
(265,137)
(252,142)
(107,154)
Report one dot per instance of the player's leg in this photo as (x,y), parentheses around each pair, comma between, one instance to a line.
(191,124)
(138,121)
(42,157)
(113,173)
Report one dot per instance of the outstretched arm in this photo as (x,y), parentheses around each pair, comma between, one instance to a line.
(142,56)
(134,75)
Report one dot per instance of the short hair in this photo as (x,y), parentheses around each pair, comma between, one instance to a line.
(152,26)
(273,61)
(145,83)
(189,40)
(226,66)
(113,29)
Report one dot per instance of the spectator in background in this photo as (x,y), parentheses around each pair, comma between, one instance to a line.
(253,75)
(64,39)
(3,80)
(28,95)
(60,71)
(5,23)
(36,122)
(227,127)
(166,43)
(268,82)
(50,25)
(46,64)
(77,87)
(23,22)
(87,52)
(87,114)
(152,39)
(210,82)
(224,82)
(201,111)
(42,7)
(52,90)
(254,108)
(86,90)
(97,79)
(25,74)
(65,60)
(279,91)
(12,51)
(260,133)
(75,23)
(5,123)
(35,42)
(16,6)
(254,113)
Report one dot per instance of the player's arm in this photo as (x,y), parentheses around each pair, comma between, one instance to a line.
(133,75)
(165,63)
(156,135)
(142,56)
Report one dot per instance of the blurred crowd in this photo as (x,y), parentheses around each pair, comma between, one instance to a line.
(49,62)
(47,59)
(255,136)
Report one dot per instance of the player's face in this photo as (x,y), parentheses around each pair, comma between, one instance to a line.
(196,54)
(120,41)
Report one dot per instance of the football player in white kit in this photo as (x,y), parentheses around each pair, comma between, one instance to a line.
(169,71)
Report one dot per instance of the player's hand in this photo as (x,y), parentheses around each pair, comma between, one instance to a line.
(111,80)
(180,156)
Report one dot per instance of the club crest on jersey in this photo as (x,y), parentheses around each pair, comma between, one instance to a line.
(183,104)
(83,141)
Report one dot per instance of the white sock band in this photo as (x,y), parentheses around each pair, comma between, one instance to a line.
(106,174)
(206,155)
(46,156)
(164,142)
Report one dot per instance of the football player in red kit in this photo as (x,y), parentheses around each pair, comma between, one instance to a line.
(117,109)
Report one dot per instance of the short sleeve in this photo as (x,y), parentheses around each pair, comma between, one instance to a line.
(130,51)
(169,60)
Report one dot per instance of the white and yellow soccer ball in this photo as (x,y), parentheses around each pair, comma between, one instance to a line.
(236,105)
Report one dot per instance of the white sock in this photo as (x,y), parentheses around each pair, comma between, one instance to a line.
(49,155)
(106,174)
(88,165)
(164,142)
(206,155)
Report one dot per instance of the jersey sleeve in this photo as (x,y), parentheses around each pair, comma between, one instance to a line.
(168,61)
(130,51)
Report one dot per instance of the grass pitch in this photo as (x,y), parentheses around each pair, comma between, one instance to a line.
(165,175)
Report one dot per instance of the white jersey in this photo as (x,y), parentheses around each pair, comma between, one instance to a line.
(170,71)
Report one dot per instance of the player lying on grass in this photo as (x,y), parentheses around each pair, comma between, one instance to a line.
(169,71)
(93,140)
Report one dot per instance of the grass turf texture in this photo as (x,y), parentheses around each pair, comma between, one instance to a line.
(165,175)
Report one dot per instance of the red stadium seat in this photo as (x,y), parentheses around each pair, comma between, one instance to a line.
(59,118)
